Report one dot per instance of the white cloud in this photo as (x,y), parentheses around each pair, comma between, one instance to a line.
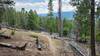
(42,11)
(41,4)
(65,6)
(20,5)
(41,7)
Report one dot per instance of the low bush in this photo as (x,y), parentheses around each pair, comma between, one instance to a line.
(13,32)
(84,39)
(98,37)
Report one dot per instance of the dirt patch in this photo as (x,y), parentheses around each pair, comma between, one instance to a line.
(50,47)
(19,39)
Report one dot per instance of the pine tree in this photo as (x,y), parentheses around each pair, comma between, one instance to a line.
(86,13)
(50,8)
(50,17)
(33,21)
(82,17)
(2,2)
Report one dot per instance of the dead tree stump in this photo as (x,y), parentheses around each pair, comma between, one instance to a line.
(39,47)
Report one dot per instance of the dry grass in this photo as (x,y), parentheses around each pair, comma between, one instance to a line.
(56,42)
(51,47)
(21,37)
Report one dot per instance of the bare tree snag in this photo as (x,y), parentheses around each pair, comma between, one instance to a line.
(60,18)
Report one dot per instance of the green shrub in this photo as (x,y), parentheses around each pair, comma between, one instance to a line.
(85,38)
(65,32)
(13,32)
(98,37)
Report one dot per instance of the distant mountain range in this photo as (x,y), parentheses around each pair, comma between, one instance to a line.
(68,15)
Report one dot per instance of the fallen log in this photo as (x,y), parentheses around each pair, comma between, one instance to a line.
(10,28)
(2,32)
(4,36)
(13,46)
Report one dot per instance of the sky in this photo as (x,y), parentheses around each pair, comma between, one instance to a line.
(41,6)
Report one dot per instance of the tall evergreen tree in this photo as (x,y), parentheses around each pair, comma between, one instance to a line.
(2,2)
(33,20)
(82,17)
(50,8)
(50,16)
(86,13)
(23,19)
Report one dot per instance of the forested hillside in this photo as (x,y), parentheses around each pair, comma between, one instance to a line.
(49,28)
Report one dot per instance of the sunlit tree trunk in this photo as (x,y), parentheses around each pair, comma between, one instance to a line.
(60,21)
(93,52)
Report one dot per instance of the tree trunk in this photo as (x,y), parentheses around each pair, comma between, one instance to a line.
(0,27)
(60,20)
(93,52)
